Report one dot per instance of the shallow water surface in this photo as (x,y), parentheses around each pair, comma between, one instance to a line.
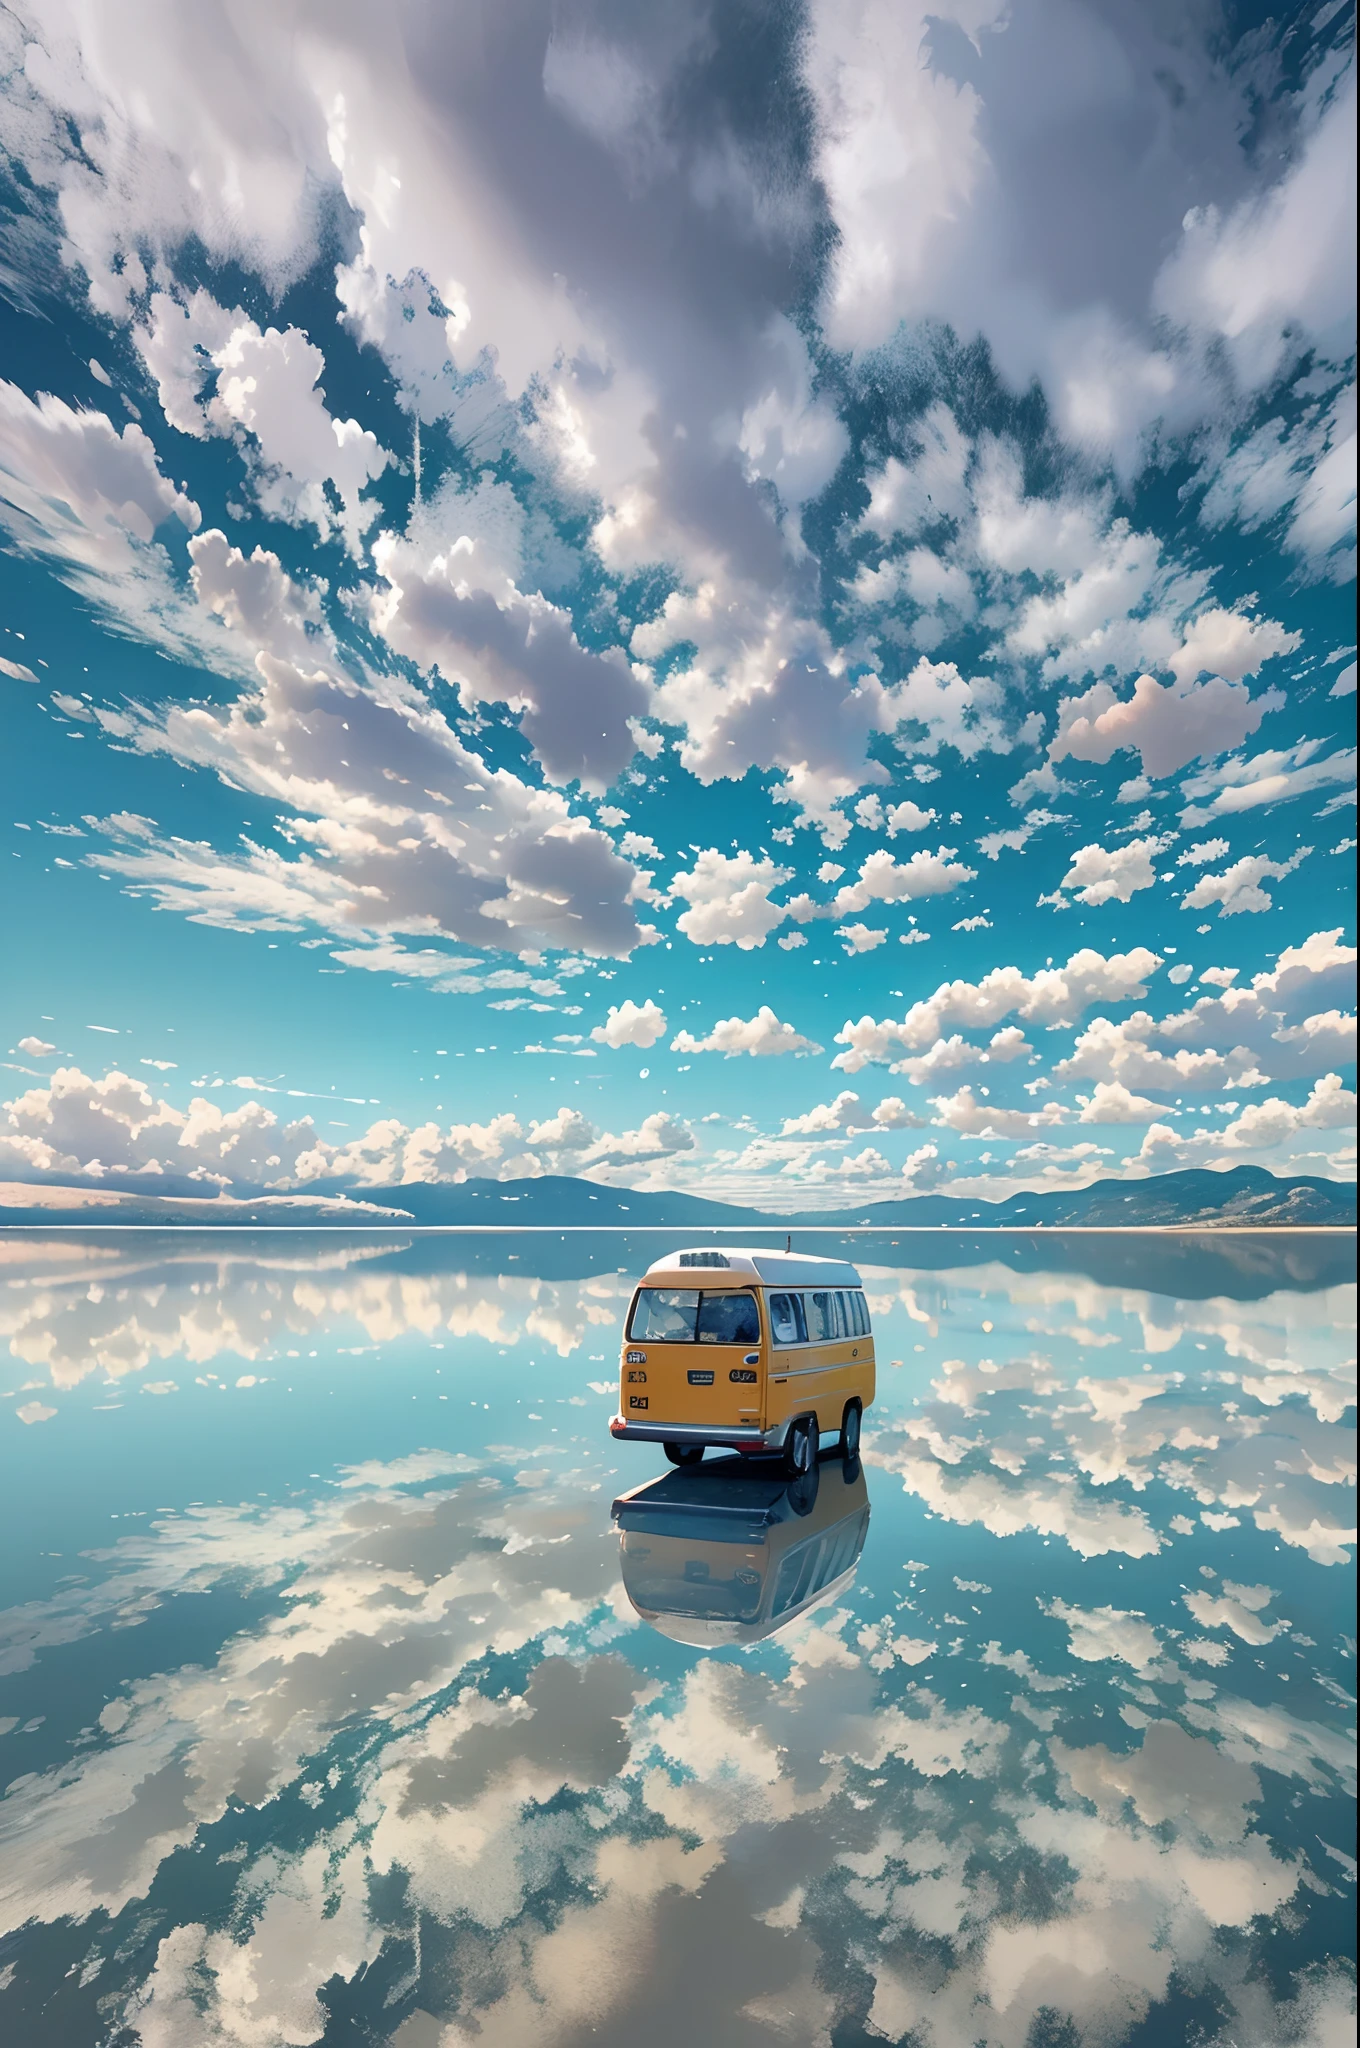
(338,1707)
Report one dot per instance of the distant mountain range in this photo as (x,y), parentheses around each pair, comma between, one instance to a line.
(1245,1196)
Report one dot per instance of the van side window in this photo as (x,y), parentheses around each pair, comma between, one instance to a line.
(787,1321)
(859,1310)
(821,1317)
(729,1319)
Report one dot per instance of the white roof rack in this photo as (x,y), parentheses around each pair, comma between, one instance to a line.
(772,1269)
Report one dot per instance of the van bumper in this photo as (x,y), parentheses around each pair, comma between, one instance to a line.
(737,1438)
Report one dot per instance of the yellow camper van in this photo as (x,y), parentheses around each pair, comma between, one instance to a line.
(753,1350)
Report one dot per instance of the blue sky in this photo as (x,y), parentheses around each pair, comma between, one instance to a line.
(756,601)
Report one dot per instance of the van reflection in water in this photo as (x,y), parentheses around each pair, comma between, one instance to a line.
(730,1551)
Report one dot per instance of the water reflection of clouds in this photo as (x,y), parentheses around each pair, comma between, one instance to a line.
(437,1786)
(118,1316)
(570,1836)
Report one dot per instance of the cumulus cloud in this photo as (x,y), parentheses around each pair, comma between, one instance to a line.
(861,938)
(1265,1126)
(847,1113)
(949,1055)
(629,1024)
(729,899)
(758,1035)
(1098,874)
(1284,1024)
(882,879)
(875,816)
(88,1128)
(268,391)
(1052,996)
(1113,1103)
(1239,888)
(963,1112)
(1166,725)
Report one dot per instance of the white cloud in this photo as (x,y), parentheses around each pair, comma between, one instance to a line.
(627,1024)
(1097,874)
(963,1112)
(882,879)
(1199,856)
(1306,466)
(36,1048)
(637,846)
(17,671)
(950,1055)
(756,1035)
(411,832)
(1262,1127)
(1277,267)
(860,938)
(453,612)
(268,388)
(956,711)
(110,482)
(729,899)
(846,1113)
(907,497)
(1278,1027)
(1112,1103)
(1166,725)
(1230,645)
(904,817)
(892,1114)
(90,499)
(1052,996)
(88,1128)
(1270,778)
(1239,888)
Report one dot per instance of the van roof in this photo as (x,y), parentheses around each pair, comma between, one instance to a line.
(773,1269)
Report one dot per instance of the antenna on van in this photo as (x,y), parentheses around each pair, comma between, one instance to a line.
(788,1242)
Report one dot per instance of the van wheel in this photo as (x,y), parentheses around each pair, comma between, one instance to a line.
(801,1493)
(683,1454)
(850,1425)
(800,1446)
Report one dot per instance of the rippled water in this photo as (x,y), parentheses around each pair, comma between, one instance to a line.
(328,1715)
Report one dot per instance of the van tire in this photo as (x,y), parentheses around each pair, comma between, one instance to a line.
(850,1428)
(684,1454)
(800,1446)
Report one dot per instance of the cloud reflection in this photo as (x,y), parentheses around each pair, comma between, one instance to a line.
(435,1782)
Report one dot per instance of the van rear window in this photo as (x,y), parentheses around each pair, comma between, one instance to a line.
(667,1315)
(729,1319)
(684,1315)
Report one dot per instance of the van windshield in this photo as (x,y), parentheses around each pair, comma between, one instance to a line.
(684,1315)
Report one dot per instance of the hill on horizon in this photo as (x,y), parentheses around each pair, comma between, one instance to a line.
(1246,1196)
